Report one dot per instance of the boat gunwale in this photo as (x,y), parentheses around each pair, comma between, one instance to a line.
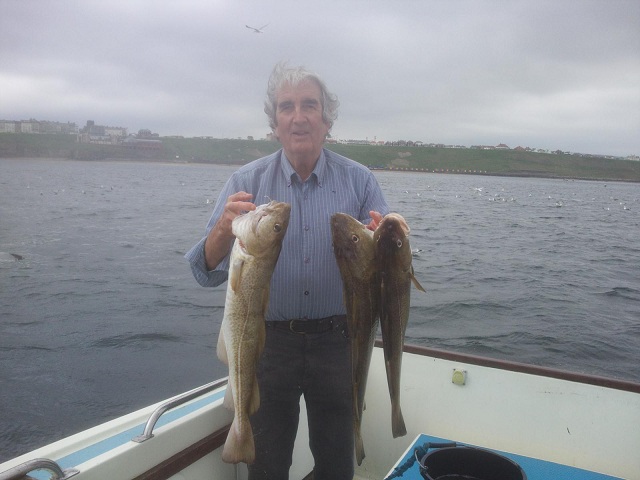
(596,380)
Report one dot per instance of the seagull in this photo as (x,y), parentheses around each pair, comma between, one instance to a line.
(257,30)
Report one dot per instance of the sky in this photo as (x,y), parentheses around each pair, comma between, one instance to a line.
(560,74)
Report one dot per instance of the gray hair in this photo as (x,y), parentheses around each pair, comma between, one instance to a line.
(285,75)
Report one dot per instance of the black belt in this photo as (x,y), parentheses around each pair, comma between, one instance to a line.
(304,325)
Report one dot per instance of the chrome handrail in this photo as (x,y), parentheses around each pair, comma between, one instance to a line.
(20,471)
(175,402)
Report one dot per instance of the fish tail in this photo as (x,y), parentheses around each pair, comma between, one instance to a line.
(397,421)
(239,446)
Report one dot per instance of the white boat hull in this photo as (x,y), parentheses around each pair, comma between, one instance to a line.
(586,422)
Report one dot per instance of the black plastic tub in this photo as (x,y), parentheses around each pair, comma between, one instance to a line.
(468,463)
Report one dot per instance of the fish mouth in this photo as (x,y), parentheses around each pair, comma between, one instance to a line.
(392,235)
(259,218)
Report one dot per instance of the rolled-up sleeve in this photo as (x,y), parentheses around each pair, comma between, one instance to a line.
(206,278)
(195,256)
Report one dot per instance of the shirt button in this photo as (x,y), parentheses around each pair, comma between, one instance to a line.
(307,259)
(306,227)
(306,292)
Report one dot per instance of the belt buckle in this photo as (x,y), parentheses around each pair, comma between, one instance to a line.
(293,329)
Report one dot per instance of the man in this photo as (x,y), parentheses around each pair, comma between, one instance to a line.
(307,350)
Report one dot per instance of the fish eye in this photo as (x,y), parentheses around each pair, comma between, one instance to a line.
(399,243)
(355,238)
(277,227)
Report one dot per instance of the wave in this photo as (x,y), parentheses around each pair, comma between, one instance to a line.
(622,292)
(27,348)
(135,340)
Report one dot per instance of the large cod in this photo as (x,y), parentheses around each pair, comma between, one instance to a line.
(354,250)
(393,258)
(256,249)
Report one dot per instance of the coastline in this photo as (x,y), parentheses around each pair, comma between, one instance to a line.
(464,161)
(164,161)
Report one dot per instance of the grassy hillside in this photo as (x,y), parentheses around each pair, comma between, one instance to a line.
(490,162)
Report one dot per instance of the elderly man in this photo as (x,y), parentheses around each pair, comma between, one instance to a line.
(307,350)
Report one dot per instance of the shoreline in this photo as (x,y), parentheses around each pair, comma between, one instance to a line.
(516,174)
(390,158)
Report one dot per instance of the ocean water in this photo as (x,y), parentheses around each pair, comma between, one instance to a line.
(101,316)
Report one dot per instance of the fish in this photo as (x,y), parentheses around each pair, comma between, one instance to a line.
(393,258)
(256,248)
(354,251)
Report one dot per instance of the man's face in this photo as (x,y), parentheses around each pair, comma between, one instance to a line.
(299,124)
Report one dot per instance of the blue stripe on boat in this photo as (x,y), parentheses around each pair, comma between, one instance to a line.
(85,454)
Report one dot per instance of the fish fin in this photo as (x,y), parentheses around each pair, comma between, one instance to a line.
(228,398)
(359,447)
(239,446)
(397,422)
(416,284)
(221,348)
(235,273)
(255,397)
(415,281)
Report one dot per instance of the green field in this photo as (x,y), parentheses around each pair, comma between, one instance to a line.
(237,152)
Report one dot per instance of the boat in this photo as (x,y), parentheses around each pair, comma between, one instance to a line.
(546,420)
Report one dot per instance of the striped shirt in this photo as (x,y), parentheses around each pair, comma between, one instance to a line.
(306,282)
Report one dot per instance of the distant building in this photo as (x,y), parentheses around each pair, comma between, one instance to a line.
(7,126)
(37,126)
(118,132)
(142,144)
(31,126)
(54,128)
(145,141)
(100,134)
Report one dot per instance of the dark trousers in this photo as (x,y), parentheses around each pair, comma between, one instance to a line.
(317,366)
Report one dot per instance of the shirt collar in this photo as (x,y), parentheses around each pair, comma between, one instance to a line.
(318,171)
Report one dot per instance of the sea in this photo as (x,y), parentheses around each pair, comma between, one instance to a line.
(100,314)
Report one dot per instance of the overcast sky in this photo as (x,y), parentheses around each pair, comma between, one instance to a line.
(560,74)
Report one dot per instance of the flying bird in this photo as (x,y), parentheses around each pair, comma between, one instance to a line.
(257,30)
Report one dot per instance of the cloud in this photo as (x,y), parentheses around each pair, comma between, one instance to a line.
(559,74)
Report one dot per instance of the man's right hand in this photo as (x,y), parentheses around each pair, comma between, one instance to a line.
(220,238)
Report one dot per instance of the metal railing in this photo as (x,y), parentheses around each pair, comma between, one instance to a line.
(173,403)
(20,471)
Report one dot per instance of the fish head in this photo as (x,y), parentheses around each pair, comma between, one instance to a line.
(353,244)
(261,231)
(392,236)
